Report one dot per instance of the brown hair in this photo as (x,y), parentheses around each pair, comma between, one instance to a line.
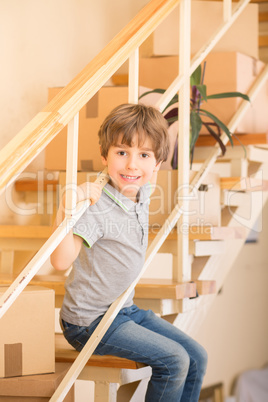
(129,119)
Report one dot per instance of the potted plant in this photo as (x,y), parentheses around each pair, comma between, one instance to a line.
(213,125)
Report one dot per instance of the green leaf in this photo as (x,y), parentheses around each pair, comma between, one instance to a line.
(217,137)
(229,95)
(203,91)
(175,98)
(219,122)
(157,91)
(195,78)
(196,124)
(172,120)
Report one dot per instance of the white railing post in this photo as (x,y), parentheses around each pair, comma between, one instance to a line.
(183,270)
(133,77)
(227,10)
(71,166)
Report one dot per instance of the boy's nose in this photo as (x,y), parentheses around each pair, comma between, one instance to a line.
(131,163)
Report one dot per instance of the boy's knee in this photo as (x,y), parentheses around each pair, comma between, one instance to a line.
(180,363)
(201,358)
(203,355)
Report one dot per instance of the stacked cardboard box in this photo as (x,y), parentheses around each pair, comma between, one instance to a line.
(204,204)
(225,72)
(35,388)
(27,336)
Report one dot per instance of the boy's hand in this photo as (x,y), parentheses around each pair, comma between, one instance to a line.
(91,191)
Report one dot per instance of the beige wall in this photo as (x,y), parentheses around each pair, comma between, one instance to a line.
(45,43)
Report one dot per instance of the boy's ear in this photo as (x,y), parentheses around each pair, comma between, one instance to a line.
(157,166)
(103,159)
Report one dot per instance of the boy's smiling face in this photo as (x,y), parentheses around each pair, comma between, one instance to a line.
(131,167)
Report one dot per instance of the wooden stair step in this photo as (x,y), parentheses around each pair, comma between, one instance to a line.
(170,289)
(234,198)
(65,353)
(164,289)
(201,248)
(206,287)
(258,153)
(145,289)
(263,41)
(205,233)
(55,282)
(206,140)
(247,184)
(25,231)
(35,185)
(263,16)
(252,1)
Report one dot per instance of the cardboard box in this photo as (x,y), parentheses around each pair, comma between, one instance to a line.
(91,117)
(204,206)
(206,19)
(230,71)
(225,72)
(36,388)
(27,336)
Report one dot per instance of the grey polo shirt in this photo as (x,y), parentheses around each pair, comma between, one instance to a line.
(115,234)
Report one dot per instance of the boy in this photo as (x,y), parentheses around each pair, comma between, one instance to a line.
(107,249)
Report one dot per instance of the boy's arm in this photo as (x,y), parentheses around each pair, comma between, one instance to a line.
(67,251)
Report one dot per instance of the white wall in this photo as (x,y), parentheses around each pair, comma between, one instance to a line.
(235,331)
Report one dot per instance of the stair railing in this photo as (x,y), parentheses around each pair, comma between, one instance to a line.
(64,108)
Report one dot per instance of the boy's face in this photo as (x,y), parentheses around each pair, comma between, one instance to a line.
(131,167)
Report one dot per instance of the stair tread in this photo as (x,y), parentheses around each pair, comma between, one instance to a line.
(145,289)
(35,185)
(25,231)
(206,140)
(206,233)
(263,16)
(263,40)
(247,184)
(65,353)
(164,289)
(195,232)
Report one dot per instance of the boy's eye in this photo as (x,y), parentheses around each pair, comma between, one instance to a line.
(121,153)
(144,155)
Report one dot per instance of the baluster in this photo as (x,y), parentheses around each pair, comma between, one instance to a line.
(227,10)
(183,270)
(71,166)
(133,77)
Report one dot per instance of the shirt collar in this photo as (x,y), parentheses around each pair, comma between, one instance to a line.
(125,203)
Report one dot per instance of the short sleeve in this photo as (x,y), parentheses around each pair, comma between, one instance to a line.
(90,226)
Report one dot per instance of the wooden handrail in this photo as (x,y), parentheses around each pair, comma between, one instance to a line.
(31,140)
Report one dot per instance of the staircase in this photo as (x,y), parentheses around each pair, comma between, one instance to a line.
(203,256)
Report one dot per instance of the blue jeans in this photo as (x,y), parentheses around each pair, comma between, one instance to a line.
(178,362)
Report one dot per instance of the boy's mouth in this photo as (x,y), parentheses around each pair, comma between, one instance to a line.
(126,177)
